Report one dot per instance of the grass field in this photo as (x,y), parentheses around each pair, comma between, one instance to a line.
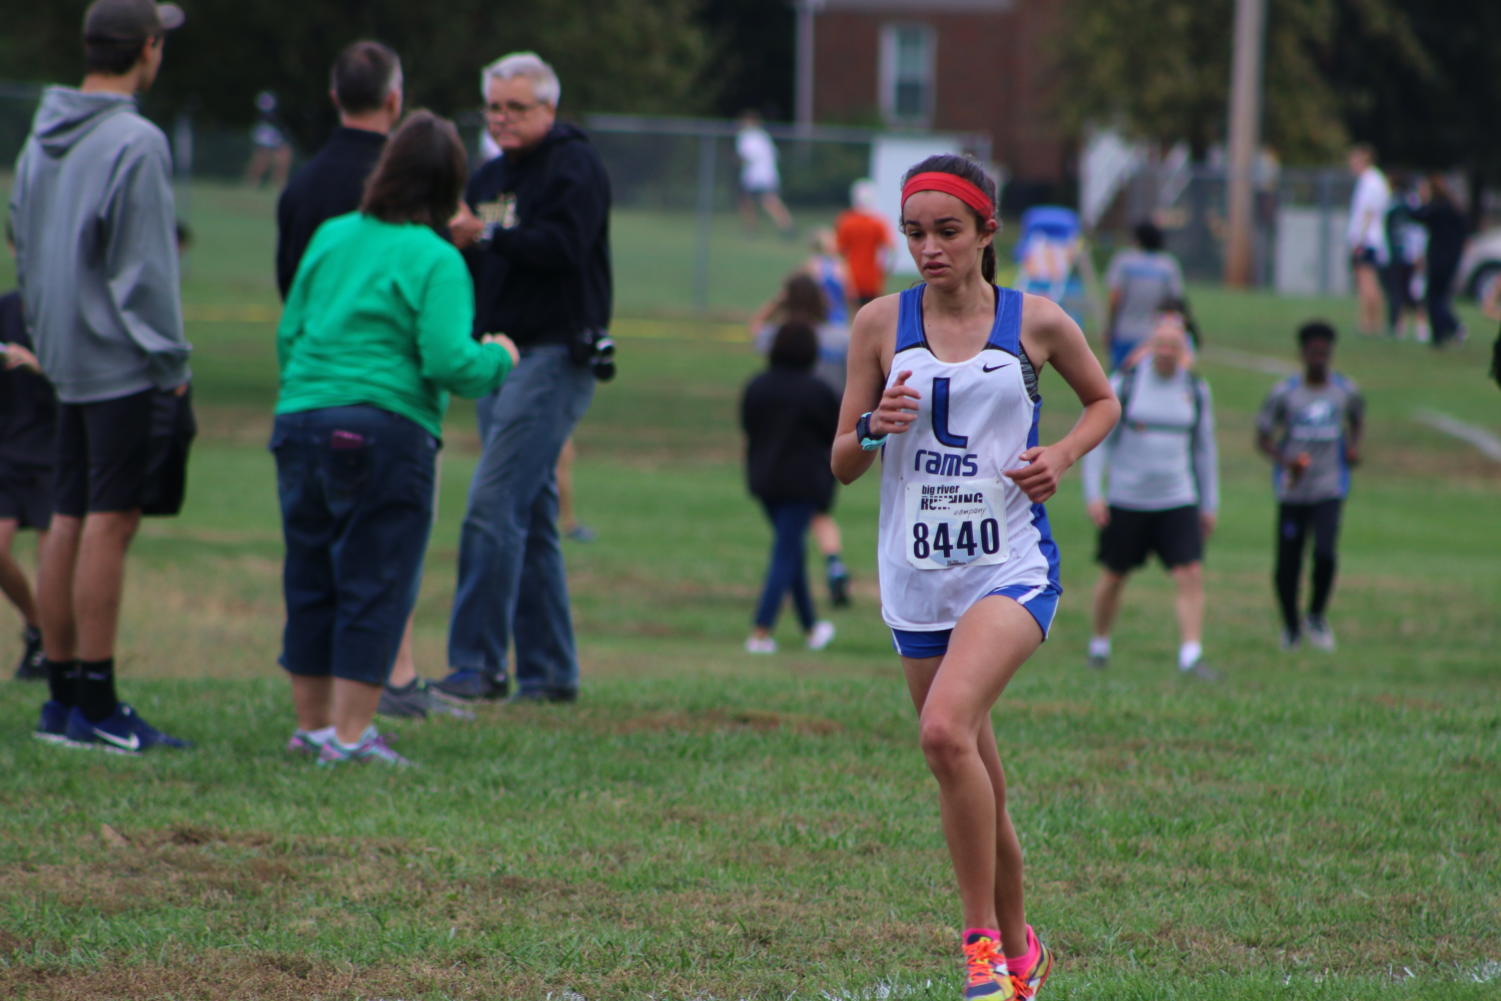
(708,825)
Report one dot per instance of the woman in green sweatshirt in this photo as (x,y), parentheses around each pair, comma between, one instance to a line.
(375,335)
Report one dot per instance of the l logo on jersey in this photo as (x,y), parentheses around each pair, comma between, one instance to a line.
(941,416)
(992,368)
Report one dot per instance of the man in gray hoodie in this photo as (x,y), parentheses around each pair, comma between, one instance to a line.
(96,258)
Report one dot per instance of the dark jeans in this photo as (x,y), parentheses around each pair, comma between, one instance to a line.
(788,572)
(1294,524)
(512,582)
(356,491)
(1396,280)
(1441,319)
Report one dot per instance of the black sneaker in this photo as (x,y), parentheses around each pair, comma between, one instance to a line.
(839,583)
(839,590)
(468,685)
(532,696)
(31,667)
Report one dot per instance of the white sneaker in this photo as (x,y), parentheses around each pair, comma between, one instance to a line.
(760,644)
(821,635)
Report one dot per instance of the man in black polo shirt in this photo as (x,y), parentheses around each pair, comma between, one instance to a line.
(366,89)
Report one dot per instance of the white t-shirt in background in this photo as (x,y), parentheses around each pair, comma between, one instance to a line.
(1367,229)
(758,160)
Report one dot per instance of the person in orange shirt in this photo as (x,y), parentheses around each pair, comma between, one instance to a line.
(864,240)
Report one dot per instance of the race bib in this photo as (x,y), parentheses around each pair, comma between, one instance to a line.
(956,524)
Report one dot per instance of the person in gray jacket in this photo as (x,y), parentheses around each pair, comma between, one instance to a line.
(96,258)
(1163,489)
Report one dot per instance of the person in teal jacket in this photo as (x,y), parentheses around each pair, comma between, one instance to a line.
(375,335)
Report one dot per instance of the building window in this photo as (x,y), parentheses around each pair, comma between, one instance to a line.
(907,73)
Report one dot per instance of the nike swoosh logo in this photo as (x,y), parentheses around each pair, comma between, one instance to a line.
(133,744)
(993,368)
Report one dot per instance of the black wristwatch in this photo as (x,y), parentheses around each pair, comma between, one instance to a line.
(863,433)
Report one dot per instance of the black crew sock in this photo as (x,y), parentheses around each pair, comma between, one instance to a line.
(96,689)
(835,564)
(61,687)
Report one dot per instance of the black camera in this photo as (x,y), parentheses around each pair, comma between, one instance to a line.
(596,349)
(602,361)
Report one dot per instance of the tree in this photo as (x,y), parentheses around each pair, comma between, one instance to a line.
(1433,102)
(612,55)
(1160,70)
(751,61)
(1414,78)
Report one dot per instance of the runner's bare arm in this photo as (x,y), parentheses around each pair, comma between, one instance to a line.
(1050,336)
(872,337)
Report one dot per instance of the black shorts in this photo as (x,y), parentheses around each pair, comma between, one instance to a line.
(1174,535)
(26,498)
(125,454)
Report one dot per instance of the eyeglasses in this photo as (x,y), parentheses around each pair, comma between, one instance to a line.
(511,109)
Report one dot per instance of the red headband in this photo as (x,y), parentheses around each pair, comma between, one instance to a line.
(950,184)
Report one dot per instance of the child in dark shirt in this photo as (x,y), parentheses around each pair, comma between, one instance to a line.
(27,416)
(789,417)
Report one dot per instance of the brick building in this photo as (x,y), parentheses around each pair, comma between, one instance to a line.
(948,65)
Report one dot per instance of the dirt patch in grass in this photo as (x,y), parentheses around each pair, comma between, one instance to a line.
(264,977)
(725,720)
(10,942)
(1408,702)
(1458,464)
(235,425)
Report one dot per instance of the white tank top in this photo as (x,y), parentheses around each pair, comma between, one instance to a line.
(952,528)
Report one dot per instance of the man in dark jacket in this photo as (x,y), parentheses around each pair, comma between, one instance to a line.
(536,228)
(365,86)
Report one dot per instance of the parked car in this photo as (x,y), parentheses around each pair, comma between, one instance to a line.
(1480,267)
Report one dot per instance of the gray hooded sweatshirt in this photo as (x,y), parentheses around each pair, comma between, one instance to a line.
(96,248)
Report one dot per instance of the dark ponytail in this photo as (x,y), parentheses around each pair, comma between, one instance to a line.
(970,170)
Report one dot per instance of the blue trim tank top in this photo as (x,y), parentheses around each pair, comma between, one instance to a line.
(953,528)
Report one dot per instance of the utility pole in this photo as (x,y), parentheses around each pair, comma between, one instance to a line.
(803,99)
(1245,136)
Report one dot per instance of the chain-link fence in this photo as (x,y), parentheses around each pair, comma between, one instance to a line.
(1298,231)
(677,182)
(684,240)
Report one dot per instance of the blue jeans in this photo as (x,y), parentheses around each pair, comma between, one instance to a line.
(788,570)
(356,491)
(511,579)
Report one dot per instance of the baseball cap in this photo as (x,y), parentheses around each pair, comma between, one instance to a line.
(129,20)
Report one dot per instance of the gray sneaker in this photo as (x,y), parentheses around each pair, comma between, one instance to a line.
(1200,670)
(417,701)
(1320,636)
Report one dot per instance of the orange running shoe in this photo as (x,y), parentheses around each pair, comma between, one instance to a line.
(1027,983)
(985,971)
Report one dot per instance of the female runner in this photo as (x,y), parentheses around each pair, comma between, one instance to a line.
(943,379)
